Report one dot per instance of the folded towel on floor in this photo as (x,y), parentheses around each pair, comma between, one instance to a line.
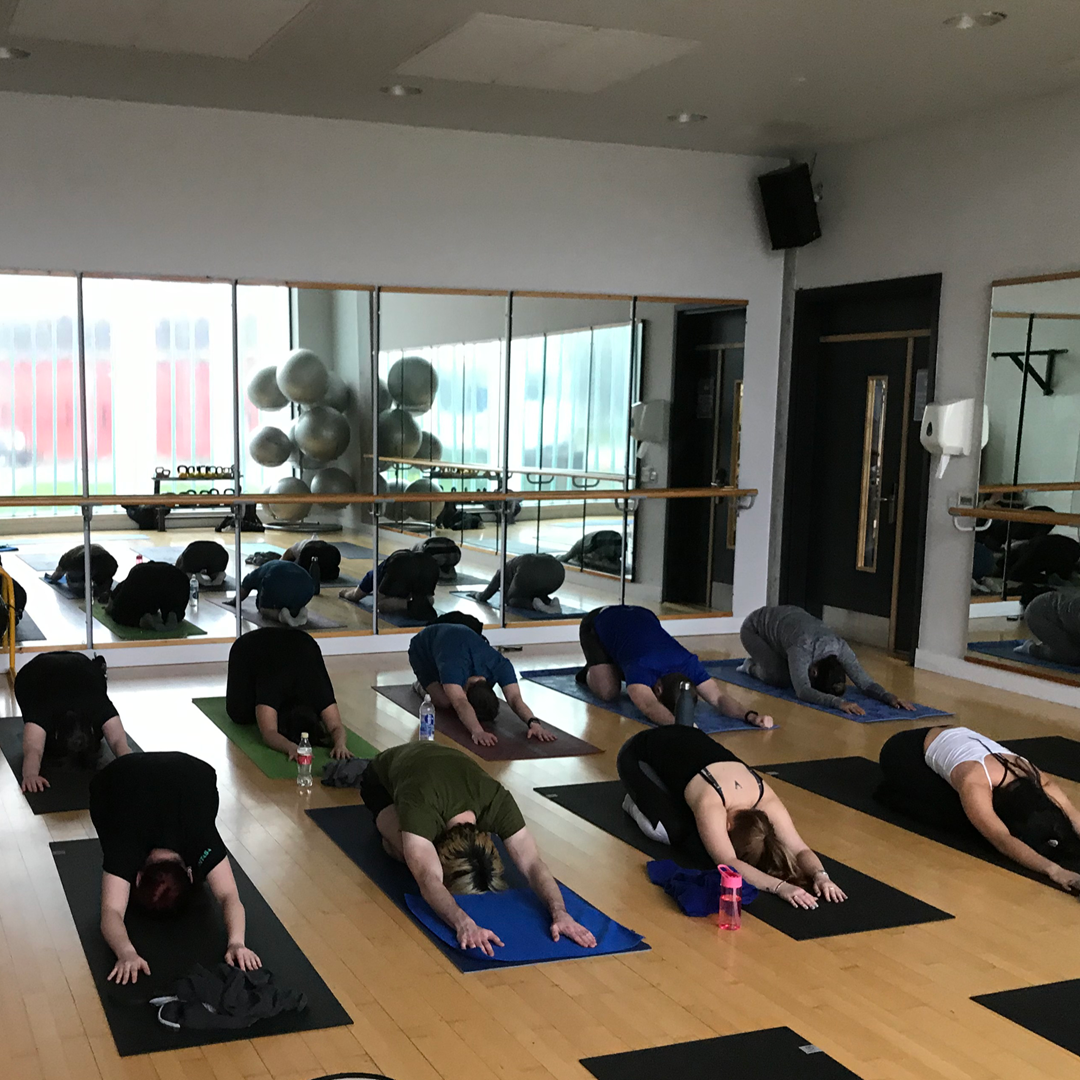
(338,772)
(697,892)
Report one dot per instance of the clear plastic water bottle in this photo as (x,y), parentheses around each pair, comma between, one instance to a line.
(194,590)
(427,720)
(303,763)
(730,898)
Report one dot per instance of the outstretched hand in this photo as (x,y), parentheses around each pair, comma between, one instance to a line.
(540,733)
(795,896)
(577,933)
(829,890)
(34,783)
(760,720)
(896,703)
(471,936)
(239,956)
(342,752)
(851,708)
(127,970)
(485,738)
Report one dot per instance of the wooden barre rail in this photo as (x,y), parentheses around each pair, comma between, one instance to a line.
(1032,517)
(1003,489)
(358,499)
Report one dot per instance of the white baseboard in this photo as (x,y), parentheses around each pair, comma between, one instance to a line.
(994,609)
(998,678)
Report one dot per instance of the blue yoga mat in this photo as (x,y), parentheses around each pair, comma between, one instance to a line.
(524,926)
(876,711)
(562,679)
(352,828)
(515,612)
(1004,651)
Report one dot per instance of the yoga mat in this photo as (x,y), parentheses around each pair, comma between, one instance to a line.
(137,633)
(876,711)
(771,1054)
(394,618)
(461,579)
(563,680)
(8,547)
(352,551)
(271,762)
(69,787)
(173,946)
(1052,753)
(250,613)
(62,587)
(1049,1010)
(523,925)
(852,781)
(1003,650)
(352,828)
(27,630)
(513,744)
(43,559)
(871,904)
(521,612)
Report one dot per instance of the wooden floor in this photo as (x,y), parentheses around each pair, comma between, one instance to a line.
(891,1005)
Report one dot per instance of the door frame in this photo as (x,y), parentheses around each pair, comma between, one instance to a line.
(816,315)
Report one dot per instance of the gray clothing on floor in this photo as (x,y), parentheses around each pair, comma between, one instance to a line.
(783,641)
(1054,618)
(344,772)
(527,577)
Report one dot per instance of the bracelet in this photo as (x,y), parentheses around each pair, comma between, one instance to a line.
(822,874)
(779,884)
(749,713)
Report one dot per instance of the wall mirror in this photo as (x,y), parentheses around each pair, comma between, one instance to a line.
(1025,573)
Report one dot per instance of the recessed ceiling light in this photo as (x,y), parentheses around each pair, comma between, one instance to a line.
(980,20)
(400,90)
(687,117)
(9,52)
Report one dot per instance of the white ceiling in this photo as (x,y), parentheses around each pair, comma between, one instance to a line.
(773,76)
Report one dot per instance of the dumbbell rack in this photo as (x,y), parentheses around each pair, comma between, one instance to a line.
(187,473)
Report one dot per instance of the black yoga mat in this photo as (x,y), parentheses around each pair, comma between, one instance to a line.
(27,630)
(172,946)
(69,787)
(1052,753)
(852,781)
(1049,1010)
(871,904)
(771,1054)
(352,828)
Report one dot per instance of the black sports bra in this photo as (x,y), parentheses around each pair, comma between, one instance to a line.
(712,781)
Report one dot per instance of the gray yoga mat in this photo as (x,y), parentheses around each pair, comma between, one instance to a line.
(250,613)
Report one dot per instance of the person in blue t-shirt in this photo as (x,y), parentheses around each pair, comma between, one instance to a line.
(458,669)
(624,643)
(283,590)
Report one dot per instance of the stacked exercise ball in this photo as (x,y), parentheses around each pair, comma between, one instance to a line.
(412,385)
(320,434)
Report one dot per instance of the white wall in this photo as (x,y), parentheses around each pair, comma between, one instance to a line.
(988,197)
(157,189)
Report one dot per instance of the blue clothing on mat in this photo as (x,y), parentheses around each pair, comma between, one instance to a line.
(697,892)
(453,653)
(280,584)
(635,640)
(367,582)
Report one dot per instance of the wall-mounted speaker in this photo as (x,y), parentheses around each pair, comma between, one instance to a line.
(787,196)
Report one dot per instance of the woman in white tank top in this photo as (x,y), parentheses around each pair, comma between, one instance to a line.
(955,778)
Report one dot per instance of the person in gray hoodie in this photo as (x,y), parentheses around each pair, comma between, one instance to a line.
(789,647)
(1054,618)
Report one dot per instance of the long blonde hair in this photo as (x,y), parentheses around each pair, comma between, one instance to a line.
(755,841)
(470,861)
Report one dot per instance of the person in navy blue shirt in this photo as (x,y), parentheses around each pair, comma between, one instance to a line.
(283,590)
(624,643)
(458,669)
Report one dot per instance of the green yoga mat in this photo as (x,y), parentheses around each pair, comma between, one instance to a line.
(273,763)
(137,633)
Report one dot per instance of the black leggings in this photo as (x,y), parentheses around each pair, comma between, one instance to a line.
(910,787)
(658,802)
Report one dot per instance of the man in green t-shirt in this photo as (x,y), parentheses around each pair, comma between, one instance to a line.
(436,810)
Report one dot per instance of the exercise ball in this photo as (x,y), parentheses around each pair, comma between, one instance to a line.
(322,433)
(413,384)
(303,378)
(332,481)
(270,446)
(289,485)
(430,448)
(385,400)
(395,511)
(399,434)
(337,393)
(263,391)
(423,511)
(381,486)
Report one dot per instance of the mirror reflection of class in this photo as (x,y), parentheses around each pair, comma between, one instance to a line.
(1024,610)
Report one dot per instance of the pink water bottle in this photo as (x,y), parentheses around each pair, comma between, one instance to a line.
(730,899)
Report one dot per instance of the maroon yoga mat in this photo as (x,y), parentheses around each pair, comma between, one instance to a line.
(512,745)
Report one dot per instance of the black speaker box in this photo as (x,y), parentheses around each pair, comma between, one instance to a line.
(787,196)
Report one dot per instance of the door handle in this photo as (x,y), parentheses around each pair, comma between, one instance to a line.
(890,501)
